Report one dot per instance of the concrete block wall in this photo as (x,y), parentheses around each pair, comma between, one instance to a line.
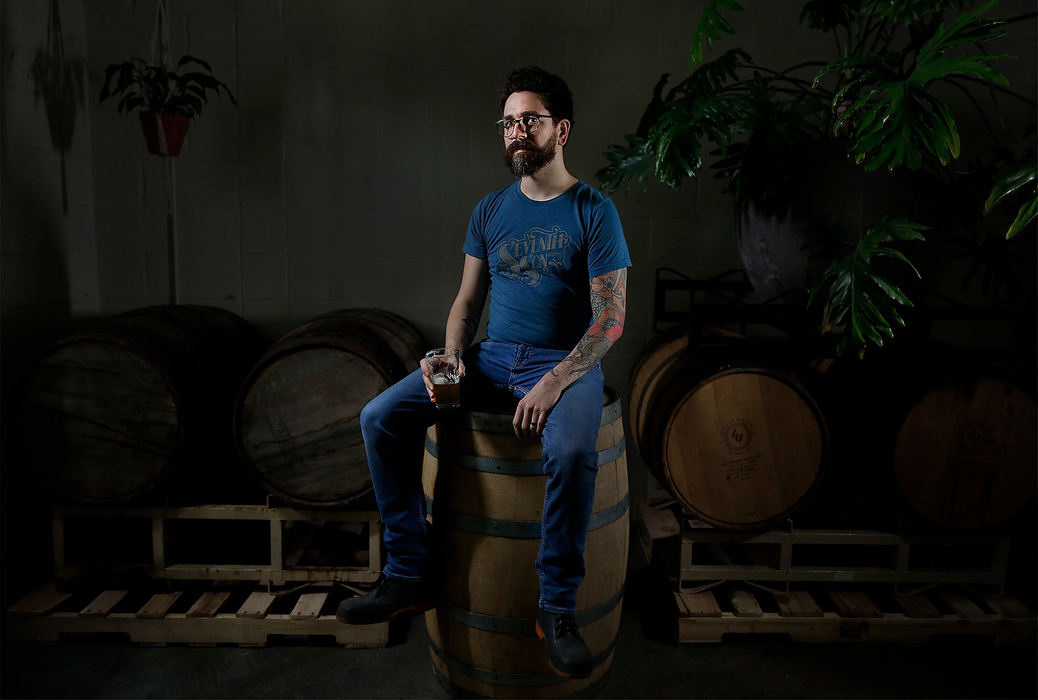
(345,175)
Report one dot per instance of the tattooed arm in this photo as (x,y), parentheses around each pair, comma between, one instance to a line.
(609,308)
(465,313)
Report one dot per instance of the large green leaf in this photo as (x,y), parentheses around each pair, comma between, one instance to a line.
(676,140)
(629,164)
(1028,212)
(892,119)
(861,300)
(713,77)
(1008,185)
(712,25)
(674,132)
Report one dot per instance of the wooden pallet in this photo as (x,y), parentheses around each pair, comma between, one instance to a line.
(139,540)
(839,556)
(850,615)
(206,617)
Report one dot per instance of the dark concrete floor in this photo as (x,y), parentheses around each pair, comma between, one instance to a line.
(648,664)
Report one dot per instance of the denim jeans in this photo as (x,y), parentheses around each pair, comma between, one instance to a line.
(394,425)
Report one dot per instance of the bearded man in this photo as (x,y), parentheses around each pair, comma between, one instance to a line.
(550,252)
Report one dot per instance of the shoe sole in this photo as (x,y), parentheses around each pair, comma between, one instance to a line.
(572,676)
(409,610)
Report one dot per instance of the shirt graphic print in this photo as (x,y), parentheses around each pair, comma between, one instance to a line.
(537,253)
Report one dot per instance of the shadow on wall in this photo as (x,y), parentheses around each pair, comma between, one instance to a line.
(43,94)
(58,78)
(35,314)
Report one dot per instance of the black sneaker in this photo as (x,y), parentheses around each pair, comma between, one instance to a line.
(390,597)
(568,655)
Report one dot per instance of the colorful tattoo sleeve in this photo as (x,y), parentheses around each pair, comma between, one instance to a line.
(609,309)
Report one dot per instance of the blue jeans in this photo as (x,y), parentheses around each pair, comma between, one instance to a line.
(394,425)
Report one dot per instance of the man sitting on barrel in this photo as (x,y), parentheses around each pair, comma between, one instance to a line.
(550,251)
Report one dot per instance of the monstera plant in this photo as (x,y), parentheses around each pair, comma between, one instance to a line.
(874,108)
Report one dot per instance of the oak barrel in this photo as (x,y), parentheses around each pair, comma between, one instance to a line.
(109,413)
(742,444)
(965,454)
(485,489)
(297,418)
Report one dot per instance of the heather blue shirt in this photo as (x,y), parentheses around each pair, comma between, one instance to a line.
(542,256)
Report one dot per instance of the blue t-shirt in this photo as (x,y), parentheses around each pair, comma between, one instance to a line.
(542,256)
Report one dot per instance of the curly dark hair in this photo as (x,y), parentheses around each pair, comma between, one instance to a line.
(552,89)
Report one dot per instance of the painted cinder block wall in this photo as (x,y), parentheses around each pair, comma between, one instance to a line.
(362,137)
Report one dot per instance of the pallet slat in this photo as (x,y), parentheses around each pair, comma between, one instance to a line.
(962,605)
(308,607)
(158,605)
(103,604)
(39,603)
(854,604)
(256,605)
(744,604)
(797,604)
(917,606)
(1007,606)
(208,604)
(702,604)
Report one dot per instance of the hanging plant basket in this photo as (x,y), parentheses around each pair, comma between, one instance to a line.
(164,133)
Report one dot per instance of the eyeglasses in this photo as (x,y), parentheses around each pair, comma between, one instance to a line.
(529,122)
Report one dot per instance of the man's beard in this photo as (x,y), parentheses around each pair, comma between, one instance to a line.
(530,160)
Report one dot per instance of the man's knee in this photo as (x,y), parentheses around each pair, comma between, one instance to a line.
(572,462)
(373,417)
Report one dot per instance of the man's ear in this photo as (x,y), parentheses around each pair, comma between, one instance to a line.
(564,127)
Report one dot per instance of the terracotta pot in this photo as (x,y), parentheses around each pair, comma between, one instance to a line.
(168,140)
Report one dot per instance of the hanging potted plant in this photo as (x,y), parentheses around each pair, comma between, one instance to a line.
(166,99)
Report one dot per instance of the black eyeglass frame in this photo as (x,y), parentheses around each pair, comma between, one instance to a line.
(507,132)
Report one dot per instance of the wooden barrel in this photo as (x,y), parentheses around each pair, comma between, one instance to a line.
(107,414)
(297,419)
(741,444)
(485,490)
(660,358)
(965,454)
